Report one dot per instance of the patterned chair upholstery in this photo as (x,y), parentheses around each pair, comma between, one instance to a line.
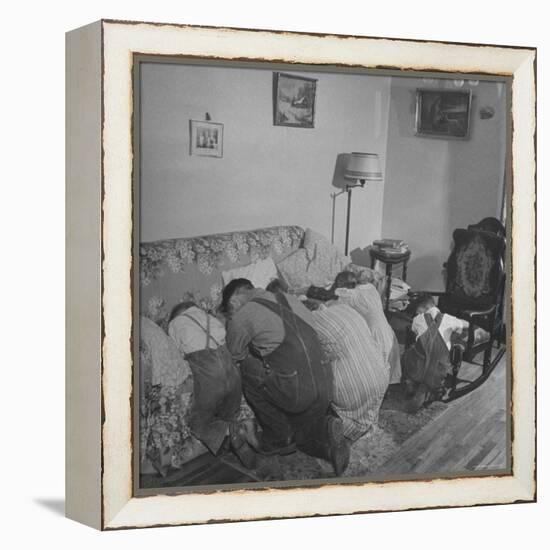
(475,287)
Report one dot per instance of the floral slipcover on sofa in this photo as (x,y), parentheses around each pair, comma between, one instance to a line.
(174,270)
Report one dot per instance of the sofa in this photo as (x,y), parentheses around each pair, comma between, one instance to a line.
(175,270)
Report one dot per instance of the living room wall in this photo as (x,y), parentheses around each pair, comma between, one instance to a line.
(269,175)
(433,185)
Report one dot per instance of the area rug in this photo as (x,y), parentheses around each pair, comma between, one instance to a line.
(368,454)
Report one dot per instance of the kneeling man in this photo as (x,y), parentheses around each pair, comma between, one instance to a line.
(284,380)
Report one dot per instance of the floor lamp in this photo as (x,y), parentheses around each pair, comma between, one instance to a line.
(361,167)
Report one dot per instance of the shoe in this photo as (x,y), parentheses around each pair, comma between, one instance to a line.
(240,447)
(250,433)
(339,446)
(415,402)
(282,447)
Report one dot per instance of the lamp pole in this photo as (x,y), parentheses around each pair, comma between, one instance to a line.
(361,167)
(333,197)
(347,220)
(360,183)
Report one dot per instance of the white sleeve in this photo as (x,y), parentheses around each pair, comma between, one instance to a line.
(217,330)
(418,325)
(175,332)
(457,324)
(189,337)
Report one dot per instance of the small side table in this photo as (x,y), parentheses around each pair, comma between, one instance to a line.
(390,261)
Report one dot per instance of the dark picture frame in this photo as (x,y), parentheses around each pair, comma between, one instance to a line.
(443,113)
(294,100)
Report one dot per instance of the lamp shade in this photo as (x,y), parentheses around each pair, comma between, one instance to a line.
(363,166)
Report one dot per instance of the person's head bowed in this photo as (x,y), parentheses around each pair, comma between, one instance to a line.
(235,294)
(344,279)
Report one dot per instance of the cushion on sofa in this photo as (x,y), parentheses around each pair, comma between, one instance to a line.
(318,263)
(293,269)
(325,259)
(259,273)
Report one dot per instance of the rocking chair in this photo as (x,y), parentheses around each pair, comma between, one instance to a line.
(475,292)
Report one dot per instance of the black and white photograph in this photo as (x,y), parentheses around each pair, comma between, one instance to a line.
(206,138)
(275,275)
(326,306)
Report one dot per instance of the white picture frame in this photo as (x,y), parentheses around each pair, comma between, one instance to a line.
(100,256)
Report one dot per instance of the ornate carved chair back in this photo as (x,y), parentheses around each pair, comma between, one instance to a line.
(475,271)
(490,224)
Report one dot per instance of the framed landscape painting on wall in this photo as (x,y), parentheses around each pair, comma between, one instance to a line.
(293,100)
(443,113)
(170,237)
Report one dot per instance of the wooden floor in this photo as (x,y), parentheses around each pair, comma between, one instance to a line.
(470,435)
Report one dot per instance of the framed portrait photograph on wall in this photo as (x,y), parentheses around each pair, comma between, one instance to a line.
(206,138)
(281,333)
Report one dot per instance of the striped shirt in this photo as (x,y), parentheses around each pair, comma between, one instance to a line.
(360,374)
(366,301)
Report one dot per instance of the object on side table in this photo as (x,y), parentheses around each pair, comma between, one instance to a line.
(390,259)
(389,243)
(399,295)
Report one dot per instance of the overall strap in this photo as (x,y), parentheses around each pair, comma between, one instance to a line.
(429,319)
(281,298)
(205,330)
(433,321)
(428,338)
(282,309)
(291,325)
(272,306)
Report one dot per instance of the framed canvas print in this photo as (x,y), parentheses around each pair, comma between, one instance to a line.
(293,100)
(443,113)
(280,318)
